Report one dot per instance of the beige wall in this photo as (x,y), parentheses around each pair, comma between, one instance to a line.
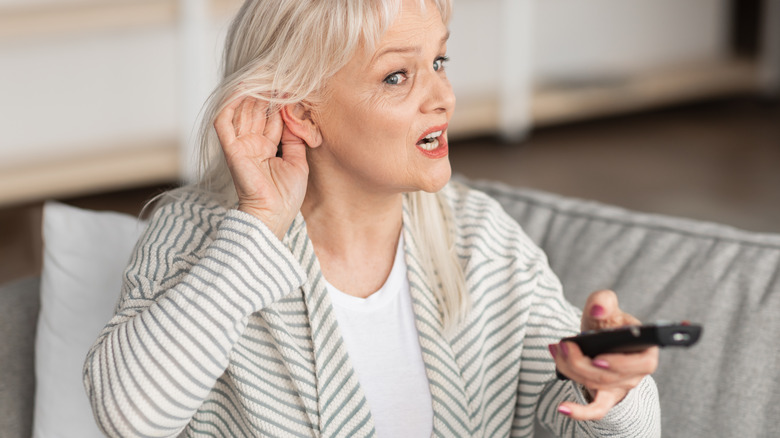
(101,94)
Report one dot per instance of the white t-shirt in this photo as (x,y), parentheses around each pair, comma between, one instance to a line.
(383,345)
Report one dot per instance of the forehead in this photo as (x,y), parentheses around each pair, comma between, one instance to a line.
(414,27)
(412,30)
(414,20)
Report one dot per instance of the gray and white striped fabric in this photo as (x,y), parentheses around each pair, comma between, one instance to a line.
(223,330)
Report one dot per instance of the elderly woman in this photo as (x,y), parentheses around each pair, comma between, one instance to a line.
(340,285)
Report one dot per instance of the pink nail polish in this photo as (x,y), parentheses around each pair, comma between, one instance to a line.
(597,311)
(564,349)
(564,410)
(553,350)
(600,363)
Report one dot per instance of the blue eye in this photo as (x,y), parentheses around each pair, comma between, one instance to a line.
(438,64)
(393,79)
(396,78)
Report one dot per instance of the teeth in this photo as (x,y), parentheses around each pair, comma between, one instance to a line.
(430,141)
(430,146)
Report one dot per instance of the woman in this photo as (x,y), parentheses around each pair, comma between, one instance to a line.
(344,287)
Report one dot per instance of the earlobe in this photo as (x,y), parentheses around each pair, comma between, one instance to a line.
(300,122)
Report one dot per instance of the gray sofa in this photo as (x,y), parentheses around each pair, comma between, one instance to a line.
(662,268)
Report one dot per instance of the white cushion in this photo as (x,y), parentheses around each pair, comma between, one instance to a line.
(85,253)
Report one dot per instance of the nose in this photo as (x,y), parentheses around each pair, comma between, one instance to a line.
(439,97)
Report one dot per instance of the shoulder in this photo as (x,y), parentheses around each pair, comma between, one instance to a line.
(190,207)
(183,223)
(479,219)
(507,274)
(472,207)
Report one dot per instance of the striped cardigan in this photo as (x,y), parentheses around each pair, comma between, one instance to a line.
(223,330)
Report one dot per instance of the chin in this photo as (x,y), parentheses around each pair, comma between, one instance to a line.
(436,179)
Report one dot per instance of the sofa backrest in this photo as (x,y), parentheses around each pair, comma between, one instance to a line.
(665,268)
(662,268)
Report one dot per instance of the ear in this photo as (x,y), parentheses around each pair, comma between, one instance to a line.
(298,119)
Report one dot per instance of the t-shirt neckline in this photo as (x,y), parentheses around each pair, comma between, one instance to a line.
(389,290)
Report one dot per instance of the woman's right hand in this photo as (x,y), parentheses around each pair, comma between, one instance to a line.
(270,188)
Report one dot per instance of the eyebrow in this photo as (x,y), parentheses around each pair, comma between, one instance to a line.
(407,49)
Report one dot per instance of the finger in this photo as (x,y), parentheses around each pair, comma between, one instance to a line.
(223,124)
(597,409)
(293,149)
(259,116)
(601,311)
(605,372)
(572,363)
(242,120)
(630,364)
(273,127)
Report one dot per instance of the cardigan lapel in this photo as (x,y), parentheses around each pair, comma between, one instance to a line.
(339,407)
(451,413)
(340,402)
(287,322)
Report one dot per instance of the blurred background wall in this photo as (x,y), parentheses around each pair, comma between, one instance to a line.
(641,103)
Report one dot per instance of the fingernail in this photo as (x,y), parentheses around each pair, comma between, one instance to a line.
(564,349)
(597,311)
(553,350)
(601,363)
(564,410)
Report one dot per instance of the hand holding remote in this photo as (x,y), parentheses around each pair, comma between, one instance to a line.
(608,377)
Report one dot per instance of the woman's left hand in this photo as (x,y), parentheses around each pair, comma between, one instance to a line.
(607,377)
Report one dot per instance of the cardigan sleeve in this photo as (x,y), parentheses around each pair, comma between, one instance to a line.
(196,275)
(534,308)
(636,416)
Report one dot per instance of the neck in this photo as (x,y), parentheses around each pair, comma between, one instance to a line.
(354,233)
(341,221)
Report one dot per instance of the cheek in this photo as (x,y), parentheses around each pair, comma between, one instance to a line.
(381,122)
(369,126)
(350,120)
(396,119)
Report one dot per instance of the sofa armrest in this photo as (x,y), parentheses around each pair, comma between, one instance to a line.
(19,305)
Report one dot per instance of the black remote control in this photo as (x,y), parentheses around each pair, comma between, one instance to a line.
(637,338)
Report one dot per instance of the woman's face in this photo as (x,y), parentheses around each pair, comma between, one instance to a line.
(385,114)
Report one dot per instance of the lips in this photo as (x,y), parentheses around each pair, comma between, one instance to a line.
(433,143)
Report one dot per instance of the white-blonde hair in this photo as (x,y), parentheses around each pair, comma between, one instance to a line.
(284,51)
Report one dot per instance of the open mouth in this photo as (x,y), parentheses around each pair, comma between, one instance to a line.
(433,143)
(430,141)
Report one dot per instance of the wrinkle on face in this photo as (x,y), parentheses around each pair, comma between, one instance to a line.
(369,128)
